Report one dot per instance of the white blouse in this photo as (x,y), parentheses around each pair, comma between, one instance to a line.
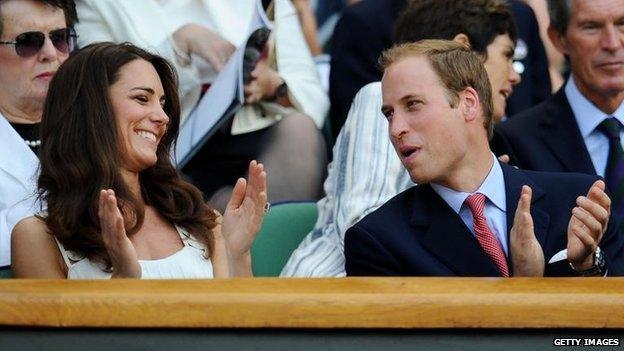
(187,263)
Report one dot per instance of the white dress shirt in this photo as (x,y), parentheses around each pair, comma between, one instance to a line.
(493,187)
(588,117)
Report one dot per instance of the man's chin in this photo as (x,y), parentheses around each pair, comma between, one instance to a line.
(615,89)
(419,178)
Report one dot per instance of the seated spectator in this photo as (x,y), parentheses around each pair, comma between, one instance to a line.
(36,36)
(556,60)
(365,30)
(530,61)
(365,171)
(438,102)
(308,25)
(578,129)
(116,207)
(286,105)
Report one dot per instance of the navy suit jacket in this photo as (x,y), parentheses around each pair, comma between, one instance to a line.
(416,233)
(366,29)
(362,33)
(544,138)
(535,85)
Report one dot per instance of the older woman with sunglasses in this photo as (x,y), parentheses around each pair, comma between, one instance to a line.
(36,36)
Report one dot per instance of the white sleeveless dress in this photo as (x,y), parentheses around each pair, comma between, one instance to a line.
(187,263)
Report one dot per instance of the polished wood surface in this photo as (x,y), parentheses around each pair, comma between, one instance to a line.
(317,303)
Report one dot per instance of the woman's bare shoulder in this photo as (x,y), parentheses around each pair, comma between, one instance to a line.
(31,229)
(34,253)
(32,224)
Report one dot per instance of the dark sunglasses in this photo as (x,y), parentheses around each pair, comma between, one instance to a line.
(29,43)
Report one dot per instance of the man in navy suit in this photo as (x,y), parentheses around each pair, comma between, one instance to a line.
(564,133)
(362,33)
(471,215)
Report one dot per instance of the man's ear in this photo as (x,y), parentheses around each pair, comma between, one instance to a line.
(462,39)
(558,39)
(469,104)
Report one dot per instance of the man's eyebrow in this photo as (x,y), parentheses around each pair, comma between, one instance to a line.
(584,19)
(410,96)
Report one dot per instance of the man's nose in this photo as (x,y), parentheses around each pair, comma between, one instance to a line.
(397,125)
(612,38)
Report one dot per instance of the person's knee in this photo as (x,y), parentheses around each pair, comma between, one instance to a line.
(298,124)
(302,132)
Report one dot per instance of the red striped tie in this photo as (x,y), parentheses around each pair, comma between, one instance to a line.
(487,240)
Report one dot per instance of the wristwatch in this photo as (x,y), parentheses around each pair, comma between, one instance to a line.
(598,269)
(280,92)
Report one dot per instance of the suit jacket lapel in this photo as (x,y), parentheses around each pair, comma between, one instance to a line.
(514,180)
(561,134)
(446,236)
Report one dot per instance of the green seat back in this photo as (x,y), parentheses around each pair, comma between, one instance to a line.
(6,273)
(284,226)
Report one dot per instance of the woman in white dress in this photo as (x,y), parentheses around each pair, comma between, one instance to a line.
(116,206)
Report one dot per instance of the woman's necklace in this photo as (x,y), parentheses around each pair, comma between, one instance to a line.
(29,133)
(33,143)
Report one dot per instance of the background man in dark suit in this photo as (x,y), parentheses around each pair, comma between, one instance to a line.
(437,99)
(530,61)
(362,33)
(366,29)
(578,129)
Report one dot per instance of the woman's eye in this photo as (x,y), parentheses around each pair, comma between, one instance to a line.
(141,98)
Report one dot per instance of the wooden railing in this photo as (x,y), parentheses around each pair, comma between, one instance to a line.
(317,303)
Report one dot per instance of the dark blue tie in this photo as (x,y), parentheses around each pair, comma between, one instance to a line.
(614,173)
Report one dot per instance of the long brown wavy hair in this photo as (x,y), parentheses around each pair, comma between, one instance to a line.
(81,155)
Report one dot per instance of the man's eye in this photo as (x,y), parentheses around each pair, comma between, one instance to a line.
(387,114)
(589,26)
(413,104)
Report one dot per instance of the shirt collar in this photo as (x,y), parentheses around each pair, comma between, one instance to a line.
(587,115)
(493,187)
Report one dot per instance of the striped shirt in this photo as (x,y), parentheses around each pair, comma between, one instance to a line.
(364,174)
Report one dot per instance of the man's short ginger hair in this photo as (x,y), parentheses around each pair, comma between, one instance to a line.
(456,66)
